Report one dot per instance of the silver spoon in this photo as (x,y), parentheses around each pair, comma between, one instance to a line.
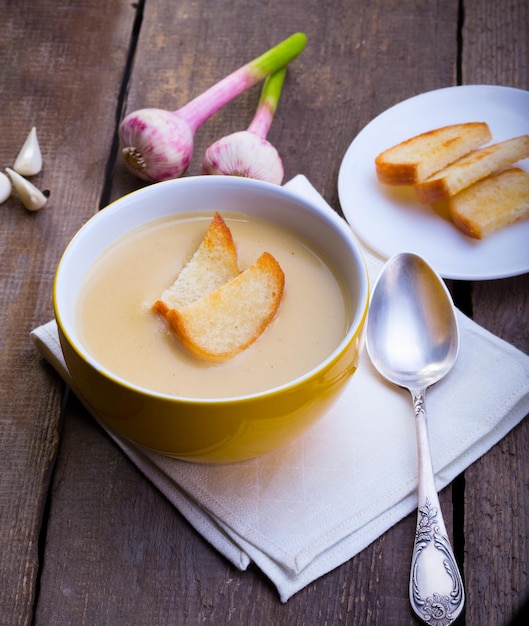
(413,341)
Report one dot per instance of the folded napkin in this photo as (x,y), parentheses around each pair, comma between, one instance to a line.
(301,511)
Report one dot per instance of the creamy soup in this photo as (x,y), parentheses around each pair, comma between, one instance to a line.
(120,330)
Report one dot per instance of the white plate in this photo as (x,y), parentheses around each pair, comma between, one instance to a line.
(391,220)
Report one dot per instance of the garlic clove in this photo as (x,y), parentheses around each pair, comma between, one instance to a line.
(5,187)
(32,198)
(29,159)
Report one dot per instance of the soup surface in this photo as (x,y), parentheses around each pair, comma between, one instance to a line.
(119,329)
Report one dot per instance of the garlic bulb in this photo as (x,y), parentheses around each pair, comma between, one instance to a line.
(5,187)
(32,198)
(29,159)
(247,153)
(244,154)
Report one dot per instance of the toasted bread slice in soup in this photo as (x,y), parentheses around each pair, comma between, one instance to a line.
(491,203)
(212,265)
(226,321)
(414,160)
(471,168)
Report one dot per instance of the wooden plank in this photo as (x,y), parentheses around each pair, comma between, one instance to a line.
(117,552)
(53,57)
(496,50)
(497,490)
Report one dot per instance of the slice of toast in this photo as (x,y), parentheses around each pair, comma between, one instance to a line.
(417,158)
(471,168)
(212,265)
(491,203)
(226,321)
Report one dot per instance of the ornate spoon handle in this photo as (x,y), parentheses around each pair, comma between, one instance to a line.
(436,588)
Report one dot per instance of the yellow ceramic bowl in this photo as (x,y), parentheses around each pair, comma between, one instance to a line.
(211,430)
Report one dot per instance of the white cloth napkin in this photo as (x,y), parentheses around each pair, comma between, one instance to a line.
(301,511)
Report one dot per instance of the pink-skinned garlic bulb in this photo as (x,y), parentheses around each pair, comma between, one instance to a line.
(158,144)
(248,153)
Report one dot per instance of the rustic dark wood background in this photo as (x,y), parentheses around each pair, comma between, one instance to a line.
(84,538)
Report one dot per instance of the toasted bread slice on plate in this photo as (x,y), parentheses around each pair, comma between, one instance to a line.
(414,160)
(226,321)
(491,203)
(212,265)
(471,168)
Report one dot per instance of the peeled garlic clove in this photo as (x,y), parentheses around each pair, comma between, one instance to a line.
(5,187)
(29,159)
(32,198)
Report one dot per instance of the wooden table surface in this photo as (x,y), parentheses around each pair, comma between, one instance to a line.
(84,537)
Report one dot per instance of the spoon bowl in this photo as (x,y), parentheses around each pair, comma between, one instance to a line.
(413,340)
(412,336)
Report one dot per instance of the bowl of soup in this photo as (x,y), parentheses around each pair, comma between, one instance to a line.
(133,372)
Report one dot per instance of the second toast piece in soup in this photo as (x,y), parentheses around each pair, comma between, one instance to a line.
(229,319)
